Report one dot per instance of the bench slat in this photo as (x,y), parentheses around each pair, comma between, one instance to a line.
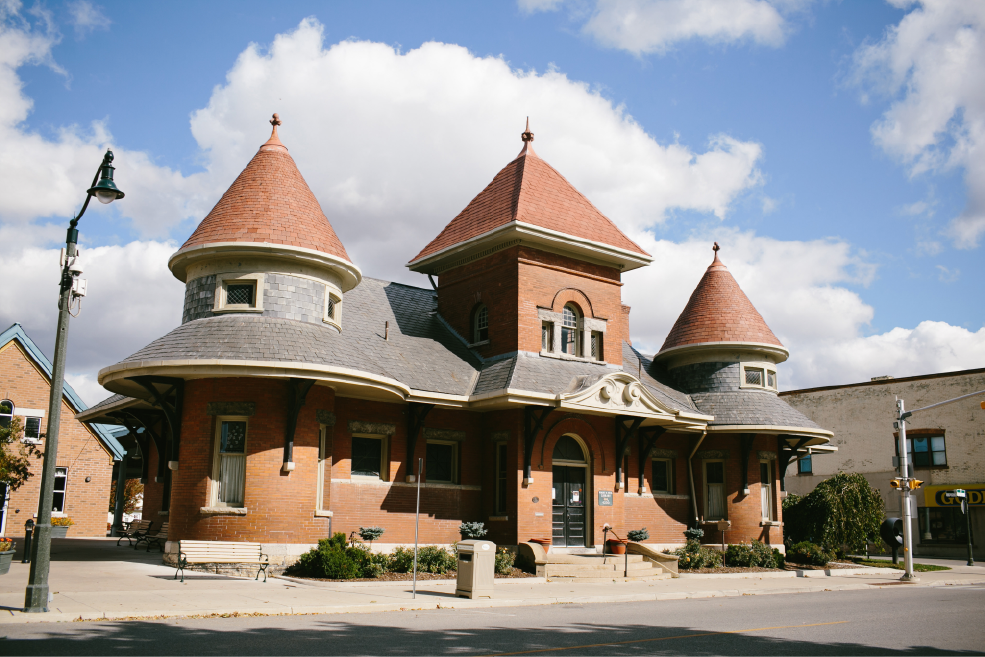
(221,552)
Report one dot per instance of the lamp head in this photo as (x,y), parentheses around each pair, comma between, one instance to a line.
(106,190)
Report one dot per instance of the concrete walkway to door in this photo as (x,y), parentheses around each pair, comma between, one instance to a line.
(92,579)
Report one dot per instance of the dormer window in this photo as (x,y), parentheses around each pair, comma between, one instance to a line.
(480,324)
(571,331)
(758,375)
(238,293)
(333,308)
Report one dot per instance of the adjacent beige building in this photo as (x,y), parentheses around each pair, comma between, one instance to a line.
(947,447)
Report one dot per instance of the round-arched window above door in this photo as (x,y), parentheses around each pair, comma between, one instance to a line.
(568,449)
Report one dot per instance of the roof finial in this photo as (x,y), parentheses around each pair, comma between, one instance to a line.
(716,262)
(274,139)
(714,248)
(528,141)
(527,135)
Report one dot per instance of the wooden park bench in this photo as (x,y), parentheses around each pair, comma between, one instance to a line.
(135,531)
(190,552)
(155,540)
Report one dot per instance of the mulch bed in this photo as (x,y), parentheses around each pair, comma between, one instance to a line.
(515,573)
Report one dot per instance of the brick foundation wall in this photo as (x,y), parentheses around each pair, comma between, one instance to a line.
(86,502)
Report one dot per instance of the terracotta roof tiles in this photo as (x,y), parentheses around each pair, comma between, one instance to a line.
(719,311)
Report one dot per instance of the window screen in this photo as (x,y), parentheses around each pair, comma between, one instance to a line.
(60,488)
(367,456)
(331,308)
(239,295)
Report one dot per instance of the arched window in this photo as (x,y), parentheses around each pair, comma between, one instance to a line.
(480,324)
(6,412)
(568,449)
(571,331)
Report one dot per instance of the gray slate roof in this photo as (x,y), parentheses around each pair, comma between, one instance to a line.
(750,407)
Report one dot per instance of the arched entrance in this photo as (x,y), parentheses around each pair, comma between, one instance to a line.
(570,467)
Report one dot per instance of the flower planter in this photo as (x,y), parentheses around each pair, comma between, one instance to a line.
(617,546)
(59,531)
(543,542)
(5,559)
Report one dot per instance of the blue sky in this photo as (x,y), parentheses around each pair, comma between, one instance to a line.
(829,147)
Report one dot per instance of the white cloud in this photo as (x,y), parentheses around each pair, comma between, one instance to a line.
(132,299)
(403,141)
(87,17)
(930,65)
(533,6)
(946,275)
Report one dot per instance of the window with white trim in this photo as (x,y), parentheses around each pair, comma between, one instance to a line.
(32,429)
(714,490)
(229,464)
(805,465)
(60,489)
(333,308)
(758,375)
(368,457)
(766,489)
(480,323)
(441,462)
(571,331)
(6,412)
(547,336)
(238,293)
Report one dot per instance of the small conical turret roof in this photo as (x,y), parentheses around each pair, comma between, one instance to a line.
(528,190)
(719,311)
(269,202)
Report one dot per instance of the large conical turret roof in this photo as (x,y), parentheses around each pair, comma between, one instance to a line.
(719,311)
(269,202)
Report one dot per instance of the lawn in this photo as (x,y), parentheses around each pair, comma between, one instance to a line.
(885,563)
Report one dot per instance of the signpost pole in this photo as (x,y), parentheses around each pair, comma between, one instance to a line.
(905,492)
(417,521)
(966,507)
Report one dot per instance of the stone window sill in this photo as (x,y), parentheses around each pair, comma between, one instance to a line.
(322,513)
(562,356)
(498,518)
(219,311)
(770,523)
(480,343)
(223,511)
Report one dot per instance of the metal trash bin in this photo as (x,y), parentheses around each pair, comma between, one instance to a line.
(476,568)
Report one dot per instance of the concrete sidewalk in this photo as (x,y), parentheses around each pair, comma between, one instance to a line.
(92,579)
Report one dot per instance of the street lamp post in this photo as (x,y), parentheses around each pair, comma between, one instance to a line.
(105,191)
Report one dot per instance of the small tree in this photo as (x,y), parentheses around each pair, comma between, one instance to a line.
(15,460)
(638,535)
(133,491)
(370,534)
(470,530)
(841,513)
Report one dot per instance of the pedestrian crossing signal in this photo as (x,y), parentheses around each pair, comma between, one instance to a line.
(915,484)
(895,483)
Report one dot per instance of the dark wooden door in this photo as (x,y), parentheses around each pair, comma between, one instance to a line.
(569,506)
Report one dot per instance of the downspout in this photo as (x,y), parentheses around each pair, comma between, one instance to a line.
(690,475)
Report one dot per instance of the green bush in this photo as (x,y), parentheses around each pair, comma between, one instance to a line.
(504,561)
(693,556)
(841,513)
(430,559)
(694,534)
(778,558)
(638,535)
(333,559)
(753,555)
(808,553)
(472,530)
(370,533)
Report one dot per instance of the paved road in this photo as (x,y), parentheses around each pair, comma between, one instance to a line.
(940,620)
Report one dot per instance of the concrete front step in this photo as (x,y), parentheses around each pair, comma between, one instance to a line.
(564,569)
(619,578)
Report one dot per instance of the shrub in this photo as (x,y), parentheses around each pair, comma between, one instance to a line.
(693,556)
(472,530)
(694,534)
(638,535)
(840,513)
(370,533)
(808,553)
(62,522)
(504,561)
(332,559)
(430,559)
(778,558)
(753,555)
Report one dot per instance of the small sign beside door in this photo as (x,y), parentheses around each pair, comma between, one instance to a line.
(605,498)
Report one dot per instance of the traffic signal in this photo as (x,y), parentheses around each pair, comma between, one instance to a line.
(914,484)
(895,483)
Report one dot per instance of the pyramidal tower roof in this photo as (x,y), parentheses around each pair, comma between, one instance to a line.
(719,311)
(529,191)
(269,202)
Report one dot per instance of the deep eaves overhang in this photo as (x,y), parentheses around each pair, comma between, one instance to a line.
(518,233)
(182,259)
(779,352)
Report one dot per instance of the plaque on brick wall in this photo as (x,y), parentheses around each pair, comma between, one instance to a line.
(605,498)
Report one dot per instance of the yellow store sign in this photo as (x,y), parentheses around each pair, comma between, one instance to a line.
(934,495)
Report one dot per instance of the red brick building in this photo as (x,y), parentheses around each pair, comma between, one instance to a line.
(86,453)
(298,397)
